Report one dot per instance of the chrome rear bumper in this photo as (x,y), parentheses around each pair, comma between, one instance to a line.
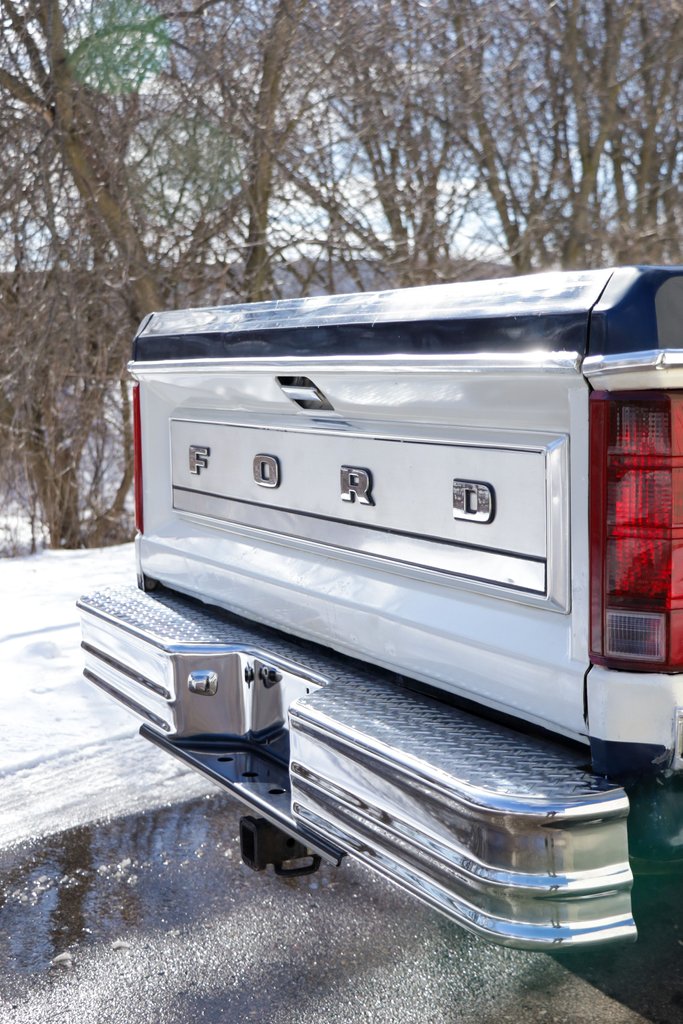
(505,833)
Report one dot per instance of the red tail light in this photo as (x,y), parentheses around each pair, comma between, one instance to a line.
(137,458)
(636,530)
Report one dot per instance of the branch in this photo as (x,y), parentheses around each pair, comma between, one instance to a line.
(194,13)
(17,88)
(20,26)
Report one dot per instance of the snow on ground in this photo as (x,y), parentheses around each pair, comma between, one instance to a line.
(46,707)
(68,753)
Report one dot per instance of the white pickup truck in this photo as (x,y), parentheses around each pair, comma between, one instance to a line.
(411,585)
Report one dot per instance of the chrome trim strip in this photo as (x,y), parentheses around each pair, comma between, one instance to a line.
(132,674)
(484,363)
(532,294)
(594,366)
(560,929)
(375,544)
(126,700)
(558,523)
(678,740)
(119,678)
(653,368)
(401,433)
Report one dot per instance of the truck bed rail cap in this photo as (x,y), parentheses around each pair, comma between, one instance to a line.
(555,292)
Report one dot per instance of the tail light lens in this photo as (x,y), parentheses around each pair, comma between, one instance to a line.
(137,459)
(636,530)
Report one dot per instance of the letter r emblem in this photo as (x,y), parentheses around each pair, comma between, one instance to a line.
(356,485)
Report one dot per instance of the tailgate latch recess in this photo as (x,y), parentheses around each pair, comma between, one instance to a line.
(304,393)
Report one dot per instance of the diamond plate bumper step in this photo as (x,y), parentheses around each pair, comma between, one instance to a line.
(505,833)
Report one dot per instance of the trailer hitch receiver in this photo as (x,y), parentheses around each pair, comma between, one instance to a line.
(262,843)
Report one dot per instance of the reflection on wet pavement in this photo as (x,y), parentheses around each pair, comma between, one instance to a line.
(85,885)
(153,917)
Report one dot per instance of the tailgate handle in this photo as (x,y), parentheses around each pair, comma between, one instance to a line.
(303,392)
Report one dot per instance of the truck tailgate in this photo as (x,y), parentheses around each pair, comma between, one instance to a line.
(417,518)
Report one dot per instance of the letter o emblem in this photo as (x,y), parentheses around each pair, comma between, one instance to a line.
(266,471)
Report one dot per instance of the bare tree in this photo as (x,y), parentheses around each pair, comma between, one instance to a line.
(188,152)
(572,120)
(264,145)
(132,181)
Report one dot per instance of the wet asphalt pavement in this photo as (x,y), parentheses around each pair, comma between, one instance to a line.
(153,918)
